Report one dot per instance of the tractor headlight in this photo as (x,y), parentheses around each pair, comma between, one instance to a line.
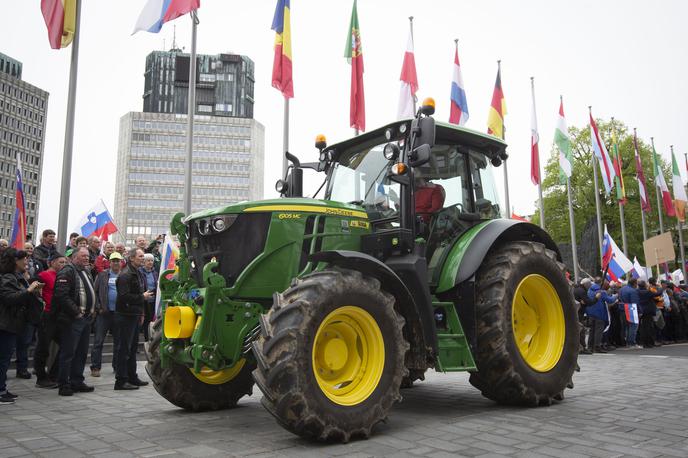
(390,151)
(222,223)
(388,134)
(281,186)
(219,225)
(203,226)
(402,128)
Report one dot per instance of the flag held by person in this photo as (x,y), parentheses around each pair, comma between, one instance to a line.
(563,143)
(97,221)
(354,54)
(282,62)
(60,19)
(19,225)
(631,312)
(495,118)
(614,261)
(458,104)
(169,254)
(680,198)
(640,176)
(409,82)
(661,184)
(606,165)
(157,12)
(639,270)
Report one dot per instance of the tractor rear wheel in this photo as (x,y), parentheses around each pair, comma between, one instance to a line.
(331,356)
(527,326)
(207,390)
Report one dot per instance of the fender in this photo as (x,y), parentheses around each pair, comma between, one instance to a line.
(420,324)
(470,249)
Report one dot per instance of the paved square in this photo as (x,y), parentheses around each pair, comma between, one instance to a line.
(626,403)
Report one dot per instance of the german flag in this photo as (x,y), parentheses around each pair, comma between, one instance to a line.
(495,120)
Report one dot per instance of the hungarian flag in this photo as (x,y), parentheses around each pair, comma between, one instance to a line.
(640,176)
(409,82)
(281,65)
(458,104)
(60,18)
(495,119)
(19,225)
(661,184)
(618,166)
(606,165)
(680,198)
(354,54)
(534,150)
(563,142)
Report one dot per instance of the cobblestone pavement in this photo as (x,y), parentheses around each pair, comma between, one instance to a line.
(627,403)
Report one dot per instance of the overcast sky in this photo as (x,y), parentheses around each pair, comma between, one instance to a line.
(625,58)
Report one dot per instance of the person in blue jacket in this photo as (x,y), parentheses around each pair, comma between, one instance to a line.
(629,295)
(598,314)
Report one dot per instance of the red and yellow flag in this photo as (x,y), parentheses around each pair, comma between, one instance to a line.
(281,66)
(495,119)
(354,53)
(60,18)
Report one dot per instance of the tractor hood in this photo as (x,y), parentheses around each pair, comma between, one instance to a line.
(304,205)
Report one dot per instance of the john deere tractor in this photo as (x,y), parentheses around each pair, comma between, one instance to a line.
(333,304)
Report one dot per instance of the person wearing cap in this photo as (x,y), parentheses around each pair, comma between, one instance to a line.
(103,260)
(106,290)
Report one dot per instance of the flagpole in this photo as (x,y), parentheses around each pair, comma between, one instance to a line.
(415,99)
(681,249)
(657,191)
(597,200)
(574,248)
(69,133)
(621,205)
(285,138)
(540,202)
(642,211)
(507,204)
(188,166)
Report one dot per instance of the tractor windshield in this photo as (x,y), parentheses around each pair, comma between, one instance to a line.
(361,177)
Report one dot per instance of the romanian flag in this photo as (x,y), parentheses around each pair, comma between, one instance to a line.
(60,18)
(19,226)
(354,53)
(495,120)
(281,65)
(618,166)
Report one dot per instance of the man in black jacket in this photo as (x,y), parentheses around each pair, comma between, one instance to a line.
(75,301)
(131,295)
(46,250)
(580,294)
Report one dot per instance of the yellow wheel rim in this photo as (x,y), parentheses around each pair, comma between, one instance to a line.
(537,319)
(212,377)
(348,355)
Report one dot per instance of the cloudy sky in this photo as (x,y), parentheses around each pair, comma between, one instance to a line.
(625,58)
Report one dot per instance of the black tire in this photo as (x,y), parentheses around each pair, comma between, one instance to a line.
(285,372)
(503,375)
(414,374)
(180,387)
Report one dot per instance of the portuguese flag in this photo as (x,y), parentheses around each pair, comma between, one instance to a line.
(354,55)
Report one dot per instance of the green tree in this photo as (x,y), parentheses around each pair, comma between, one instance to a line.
(583,191)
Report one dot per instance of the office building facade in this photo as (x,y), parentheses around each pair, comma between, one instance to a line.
(23,110)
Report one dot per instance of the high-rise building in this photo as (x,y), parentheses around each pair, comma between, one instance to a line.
(224,84)
(23,109)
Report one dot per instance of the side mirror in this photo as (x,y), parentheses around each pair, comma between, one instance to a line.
(420,155)
(425,130)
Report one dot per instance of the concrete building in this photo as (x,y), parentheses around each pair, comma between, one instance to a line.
(227,167)
(23,109)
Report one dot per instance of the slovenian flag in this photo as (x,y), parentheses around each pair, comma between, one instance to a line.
(614,261)
(156,12)
(459,104)
(631,311)
(97,221)
(409,82)
(282,65)
(60,19)
(19,226)
(606,165)
(168,262)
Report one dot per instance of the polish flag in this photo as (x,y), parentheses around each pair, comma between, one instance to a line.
(409,82)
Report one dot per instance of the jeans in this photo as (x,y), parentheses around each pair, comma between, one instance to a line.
(631,330)
(596,330)
(46,332)
(104,322)
(8,341)
(73,351)
(125,357)
(24,339)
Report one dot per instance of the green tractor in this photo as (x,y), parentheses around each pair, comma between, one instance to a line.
(333,305)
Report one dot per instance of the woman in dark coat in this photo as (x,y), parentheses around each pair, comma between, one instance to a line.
(19,302)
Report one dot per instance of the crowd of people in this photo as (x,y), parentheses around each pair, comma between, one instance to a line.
(53,300)
(634,314)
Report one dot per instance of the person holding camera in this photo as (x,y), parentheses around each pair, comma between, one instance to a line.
(20,303)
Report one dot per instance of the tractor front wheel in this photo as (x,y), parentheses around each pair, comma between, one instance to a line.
(527,326)
(331,356)
(207,390)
